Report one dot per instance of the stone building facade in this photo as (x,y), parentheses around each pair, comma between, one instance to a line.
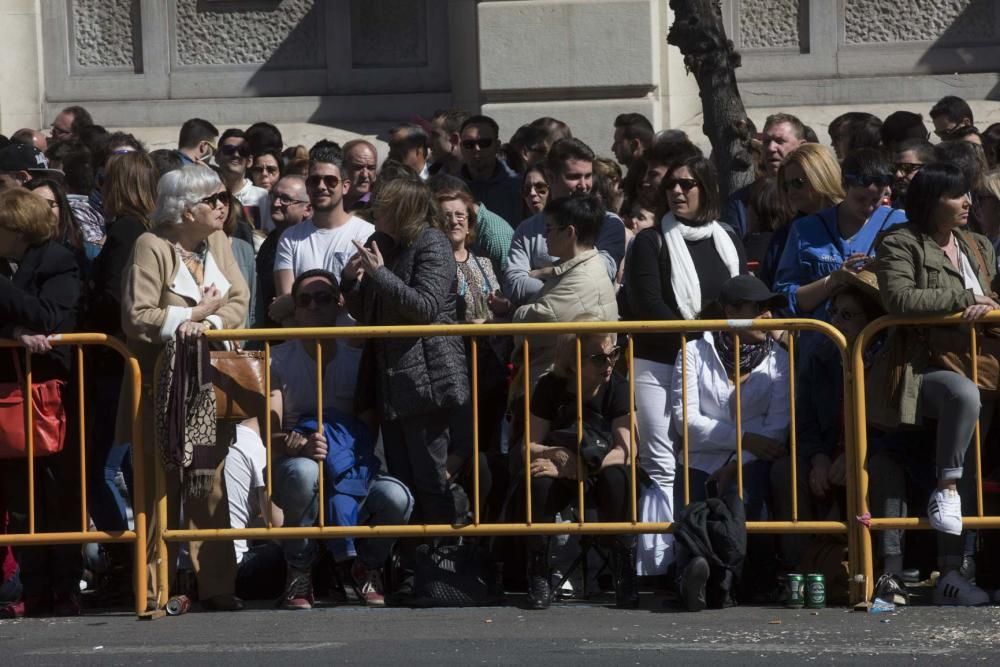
(361,64)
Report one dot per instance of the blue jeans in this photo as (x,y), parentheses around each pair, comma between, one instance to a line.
(296,492)
(756,487)
(105,457)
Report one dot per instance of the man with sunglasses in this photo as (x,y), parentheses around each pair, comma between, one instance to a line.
(952,116)
(491,180)
(910,155)
(233,158)
(196,143)
(289,206)
(569,167)
(323,242)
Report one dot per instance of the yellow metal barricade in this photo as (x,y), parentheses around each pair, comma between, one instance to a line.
(477,527)
(864,340)
(131,383)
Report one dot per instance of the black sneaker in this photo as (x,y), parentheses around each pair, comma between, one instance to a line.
(539,588)
(626,586)
(890,588)
(692,584)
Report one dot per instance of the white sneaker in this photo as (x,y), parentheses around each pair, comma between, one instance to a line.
(954,589)
(944,510)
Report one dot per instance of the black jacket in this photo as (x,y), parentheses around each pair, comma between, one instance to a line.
(415,376)
(716,530)
(41,297)
(104,291)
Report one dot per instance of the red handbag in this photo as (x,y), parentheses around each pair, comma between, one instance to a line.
(48,416)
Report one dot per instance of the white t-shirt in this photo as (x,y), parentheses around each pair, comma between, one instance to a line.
(304,246)
(244,472)
(257,204)
(293,371)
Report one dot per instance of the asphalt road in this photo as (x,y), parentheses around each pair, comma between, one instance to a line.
(566,634)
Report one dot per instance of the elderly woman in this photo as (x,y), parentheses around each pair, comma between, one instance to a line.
(38,299)
(934,266)
(404,275)
(843,236)
(182,281)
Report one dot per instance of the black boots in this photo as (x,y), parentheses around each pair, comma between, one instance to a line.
(539,588)
(692,584)
(626,586)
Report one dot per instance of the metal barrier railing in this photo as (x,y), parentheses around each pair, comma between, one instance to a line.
(865,338)
(131,382)
(478,527)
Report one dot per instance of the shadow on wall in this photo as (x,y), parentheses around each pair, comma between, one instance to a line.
(970,44)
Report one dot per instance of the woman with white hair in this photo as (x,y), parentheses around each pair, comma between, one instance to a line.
(181,281)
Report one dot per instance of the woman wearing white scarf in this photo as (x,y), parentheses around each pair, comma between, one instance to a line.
(675,269)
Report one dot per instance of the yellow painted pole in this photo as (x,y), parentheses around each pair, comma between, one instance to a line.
(29,426)
(632,435)
(739,416)
(684,414)
(580,474)
(977,436)
(267,427)
(527,430)
(475,431)
(792,439)
(82,433)
(319,427)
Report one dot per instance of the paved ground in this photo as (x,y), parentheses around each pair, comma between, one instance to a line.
(566,634)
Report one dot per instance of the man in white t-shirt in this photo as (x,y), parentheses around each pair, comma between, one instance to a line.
(233,158)
(326,241)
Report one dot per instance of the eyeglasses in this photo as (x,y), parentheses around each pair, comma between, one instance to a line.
(842,313)
(284,200)
(956,132)
(541,189)
(907,168)
(59,132)
(306,299)
(233,149)
(855,181)
(271,170)
(795,184)
(456,216)
(216,199)
(686,184)
(605,359)
(211,147)
(330,181)
(482,143)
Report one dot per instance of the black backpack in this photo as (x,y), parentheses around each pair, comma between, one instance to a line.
(715,529)
(455,575)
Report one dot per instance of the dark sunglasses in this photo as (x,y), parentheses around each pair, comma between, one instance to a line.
(541,188)
(306,299)
(686,184)
(907,168)
(842,313)
(329,181)
(483,143)
(284,200)
(795,184)
(216,199)
(605,359)
(854,181)
(269,169)
(233,149)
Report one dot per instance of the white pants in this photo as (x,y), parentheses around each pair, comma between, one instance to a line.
(656,455)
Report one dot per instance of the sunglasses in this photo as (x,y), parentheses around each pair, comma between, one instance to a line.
(605,359)
(271,170)
(541,189)
(216,199)
(907,168)
(795,184)
(482,144)
(235,149)
(842,313)
(306,299)
(854,181)
(284,200)
(329,181)
(686,184)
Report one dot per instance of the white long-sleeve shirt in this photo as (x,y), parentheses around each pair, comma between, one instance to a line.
(711,403)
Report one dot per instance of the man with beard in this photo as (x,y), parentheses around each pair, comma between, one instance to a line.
(325,241)
(910,156)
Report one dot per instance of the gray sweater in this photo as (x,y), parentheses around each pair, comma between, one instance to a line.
(529,251)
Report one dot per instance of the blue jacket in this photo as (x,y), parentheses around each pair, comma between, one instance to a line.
(815,249)
(501,192)
(349,469)
(735,214)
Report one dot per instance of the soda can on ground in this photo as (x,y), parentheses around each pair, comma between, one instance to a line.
(795,591)
(177,605)
(815,591)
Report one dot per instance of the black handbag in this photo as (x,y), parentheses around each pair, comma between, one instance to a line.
(455,575)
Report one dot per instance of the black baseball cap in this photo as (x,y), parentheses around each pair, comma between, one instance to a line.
(747,288)
(22,157)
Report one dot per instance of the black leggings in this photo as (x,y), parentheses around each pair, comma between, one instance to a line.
(549,495)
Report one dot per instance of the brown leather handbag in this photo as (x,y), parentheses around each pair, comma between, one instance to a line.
(238,378)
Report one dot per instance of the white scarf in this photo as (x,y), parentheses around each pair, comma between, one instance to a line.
(683,276)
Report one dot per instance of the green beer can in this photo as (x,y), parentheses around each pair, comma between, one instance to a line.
(795,591)
(815,591)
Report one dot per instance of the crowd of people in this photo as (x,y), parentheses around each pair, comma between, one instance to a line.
(236,230)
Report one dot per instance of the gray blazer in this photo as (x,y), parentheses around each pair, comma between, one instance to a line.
(414,376)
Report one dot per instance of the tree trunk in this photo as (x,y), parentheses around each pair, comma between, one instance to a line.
(700,35)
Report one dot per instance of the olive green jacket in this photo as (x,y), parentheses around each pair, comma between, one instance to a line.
(915,277)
